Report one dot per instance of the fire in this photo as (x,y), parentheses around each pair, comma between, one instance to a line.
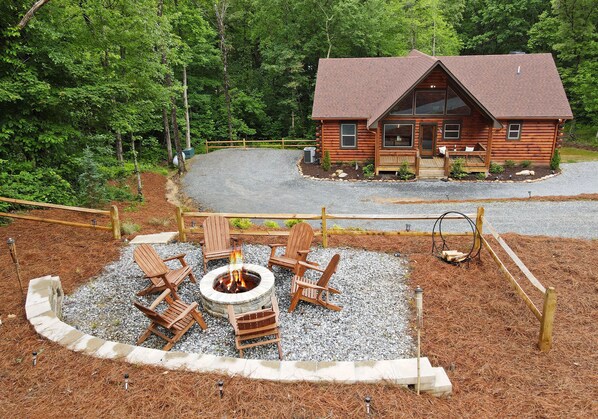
(235,282)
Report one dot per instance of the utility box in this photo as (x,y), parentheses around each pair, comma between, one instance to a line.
(309,155)
(189,152)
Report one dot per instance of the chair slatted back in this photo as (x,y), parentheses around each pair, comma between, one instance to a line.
(330,269)
(216,232)
(149,261)
(300,238)
(151,314)
(257,321)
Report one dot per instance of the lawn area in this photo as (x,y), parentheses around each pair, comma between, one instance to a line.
(575,155)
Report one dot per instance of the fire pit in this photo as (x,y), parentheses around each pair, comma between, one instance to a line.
(246,286)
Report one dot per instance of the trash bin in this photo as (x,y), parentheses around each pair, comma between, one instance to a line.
(309,154)
(189,152)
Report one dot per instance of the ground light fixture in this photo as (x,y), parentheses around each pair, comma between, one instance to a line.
(34,358)
(419,304)
(368,401)
(221,388)
(126,381)
(407,227)
(529,193)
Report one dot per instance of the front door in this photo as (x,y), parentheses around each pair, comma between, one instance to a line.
(427,139)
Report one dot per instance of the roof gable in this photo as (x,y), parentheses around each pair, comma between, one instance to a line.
(367,88)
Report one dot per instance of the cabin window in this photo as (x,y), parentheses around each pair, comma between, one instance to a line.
(455,105)
(452,131)
(430,102)
(349,135)
(404,107)
(398,135)
(514,130)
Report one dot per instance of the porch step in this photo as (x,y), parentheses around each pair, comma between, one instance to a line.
(429,173)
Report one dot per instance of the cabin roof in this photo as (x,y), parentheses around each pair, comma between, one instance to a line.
(366,88)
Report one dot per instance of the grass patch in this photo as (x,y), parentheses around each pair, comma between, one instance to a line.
(129,227)
(161,222)
(575,155)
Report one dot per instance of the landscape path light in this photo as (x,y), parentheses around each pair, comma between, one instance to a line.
(221,388)
(368,401)
(419,305)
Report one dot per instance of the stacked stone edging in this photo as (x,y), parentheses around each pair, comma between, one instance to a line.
(44,307)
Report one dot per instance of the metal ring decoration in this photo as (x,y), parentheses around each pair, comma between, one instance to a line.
(437,250)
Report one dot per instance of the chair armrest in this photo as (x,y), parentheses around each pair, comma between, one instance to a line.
(276,245)
(184,313)
(202,242)
(303,252)
(302,284)
(160,298)
(234,239)
(311,265)
(181,256)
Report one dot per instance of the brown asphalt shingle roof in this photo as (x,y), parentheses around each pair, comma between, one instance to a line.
(365,88)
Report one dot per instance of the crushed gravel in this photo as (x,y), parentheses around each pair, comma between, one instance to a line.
(373,324)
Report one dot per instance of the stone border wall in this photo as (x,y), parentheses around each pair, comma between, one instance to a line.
(44,311)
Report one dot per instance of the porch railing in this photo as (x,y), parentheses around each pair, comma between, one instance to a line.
(475,161)
(392,160)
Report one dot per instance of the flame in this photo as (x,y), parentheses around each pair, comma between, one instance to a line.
(235,279)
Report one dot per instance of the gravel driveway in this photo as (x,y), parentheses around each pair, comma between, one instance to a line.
(267,181)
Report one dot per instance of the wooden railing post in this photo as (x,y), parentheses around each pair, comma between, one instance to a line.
(180,222)
(207,146)
(447,166)
(283,143)
(417,163)
(244,144)
(324,230)
(479,223)
(545,339)
(115,222)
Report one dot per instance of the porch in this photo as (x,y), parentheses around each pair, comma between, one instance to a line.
(434,167)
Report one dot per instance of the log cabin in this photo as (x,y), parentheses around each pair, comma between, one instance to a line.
(426,111)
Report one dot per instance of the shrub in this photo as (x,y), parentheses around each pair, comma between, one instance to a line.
(496,168)
(290,223)
(160,221)
(40,185)
(404,173)
(480,176)
(368,170)
(129,227)
(271,224)
(457,170)
(526,164)
(326,161)
(555,161)
(509,164)
(241,223)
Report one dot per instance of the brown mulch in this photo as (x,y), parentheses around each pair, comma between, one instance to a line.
(510,173)
(475,327)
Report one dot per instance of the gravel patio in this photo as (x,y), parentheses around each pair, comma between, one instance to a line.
(373,325)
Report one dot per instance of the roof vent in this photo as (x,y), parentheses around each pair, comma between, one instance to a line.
(518,70)
(516,52)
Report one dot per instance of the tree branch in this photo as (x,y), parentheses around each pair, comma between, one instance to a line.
(38,5)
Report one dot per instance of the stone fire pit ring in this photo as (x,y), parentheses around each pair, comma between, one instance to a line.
(215,302)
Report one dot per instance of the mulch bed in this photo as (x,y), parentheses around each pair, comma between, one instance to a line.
(510,173)
(475,327)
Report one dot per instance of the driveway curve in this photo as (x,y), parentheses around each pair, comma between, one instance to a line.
(268,181)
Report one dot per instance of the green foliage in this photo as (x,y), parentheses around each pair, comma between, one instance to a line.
(555,161)
(509,164)
(241,223)
(290,223)
(128,227)
(404,173)
(39,185)
(457,169)
(326,161)
(271,224)
(368,170)
(480,176)
(526,164)
(495,168)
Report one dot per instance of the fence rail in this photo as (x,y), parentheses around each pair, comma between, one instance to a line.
(112,214)
(245,143)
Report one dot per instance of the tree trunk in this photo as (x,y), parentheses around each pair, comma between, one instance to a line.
(186,103)
(36,6)
(220,9)
(177,139)
(119,148)
(137,172)
(167,139)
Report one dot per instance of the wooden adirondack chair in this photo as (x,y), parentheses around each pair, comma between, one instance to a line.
(217,242)
(256,325)
(155,269)
(313,291)
(296,249)
(178,318)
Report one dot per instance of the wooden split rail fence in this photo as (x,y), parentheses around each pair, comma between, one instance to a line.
(114,226)
(546,316)
(244,143)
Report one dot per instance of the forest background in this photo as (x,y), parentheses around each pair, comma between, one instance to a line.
(87,87)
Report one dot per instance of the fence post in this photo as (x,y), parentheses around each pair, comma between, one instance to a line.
(207,146)
(244,145)
(545,339)
(115,222)
(324,230)
(479,223)
(283,143)
(180,222)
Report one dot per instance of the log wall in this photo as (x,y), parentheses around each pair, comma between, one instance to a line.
(536,143)
(331,142)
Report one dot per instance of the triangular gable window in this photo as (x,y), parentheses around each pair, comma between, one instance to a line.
(404,107)
(455,105)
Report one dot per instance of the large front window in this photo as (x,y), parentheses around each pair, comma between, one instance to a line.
(398,135)
(430,102)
